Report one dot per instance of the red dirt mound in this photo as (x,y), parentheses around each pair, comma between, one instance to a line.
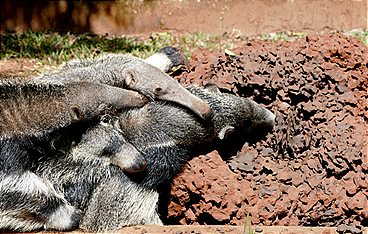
(312,169)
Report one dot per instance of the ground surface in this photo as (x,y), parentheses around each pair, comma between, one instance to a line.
(310,171)
(236,17)
(201,229)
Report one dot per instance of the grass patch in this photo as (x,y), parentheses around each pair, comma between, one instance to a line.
(57,47)
(247,225)
(53,47)
(361,35)
(62,47)
(282,36)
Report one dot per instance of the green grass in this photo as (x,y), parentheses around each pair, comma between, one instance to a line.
(63,47)
(247,225)
(56,48)
(361,35)
(282,36)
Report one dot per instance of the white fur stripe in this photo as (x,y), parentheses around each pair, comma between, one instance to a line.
(28,183)
(159,60)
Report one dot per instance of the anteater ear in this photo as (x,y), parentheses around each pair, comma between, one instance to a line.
(212,88)
(130,77)
(225,131)
(76,113)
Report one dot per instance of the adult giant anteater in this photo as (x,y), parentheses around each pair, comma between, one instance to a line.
(167,136)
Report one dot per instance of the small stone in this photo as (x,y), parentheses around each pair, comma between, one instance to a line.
(258,229)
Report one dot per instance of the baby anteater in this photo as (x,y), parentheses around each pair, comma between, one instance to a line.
(126,71)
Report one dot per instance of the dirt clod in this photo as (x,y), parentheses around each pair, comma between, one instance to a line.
(312,169)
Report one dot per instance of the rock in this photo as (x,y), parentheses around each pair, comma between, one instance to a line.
(312,169)
(343,228)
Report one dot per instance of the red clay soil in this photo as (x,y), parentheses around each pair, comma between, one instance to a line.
(205,229)
(214,229)
(312,169)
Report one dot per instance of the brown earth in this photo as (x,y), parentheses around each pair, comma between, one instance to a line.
(312,169)
(202,229)
(235,17)
(218,229)
(23,68)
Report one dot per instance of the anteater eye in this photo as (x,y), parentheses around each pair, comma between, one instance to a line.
(106,118)
(158,90)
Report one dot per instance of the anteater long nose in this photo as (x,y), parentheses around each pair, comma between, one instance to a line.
(190,101)
(200,107)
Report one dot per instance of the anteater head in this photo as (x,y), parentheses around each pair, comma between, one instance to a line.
(232,113)
(155,84)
